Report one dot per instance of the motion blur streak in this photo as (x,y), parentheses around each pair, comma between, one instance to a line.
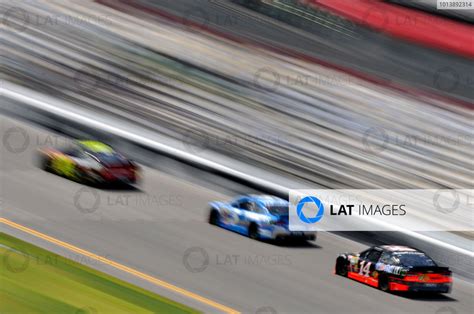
(120,266)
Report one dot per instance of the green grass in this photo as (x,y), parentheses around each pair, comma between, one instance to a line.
(33,280)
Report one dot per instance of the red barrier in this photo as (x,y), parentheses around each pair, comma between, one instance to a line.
(424,28)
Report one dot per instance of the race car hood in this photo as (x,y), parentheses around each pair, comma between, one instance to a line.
(217,204)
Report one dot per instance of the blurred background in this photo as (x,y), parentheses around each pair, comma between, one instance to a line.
(297,88)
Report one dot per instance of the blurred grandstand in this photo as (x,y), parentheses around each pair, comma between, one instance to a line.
(288,115)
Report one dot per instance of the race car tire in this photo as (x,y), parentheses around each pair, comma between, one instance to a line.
(45,163)
(341,267)
(384,284)
(214,217)
(254,232)
(80,176)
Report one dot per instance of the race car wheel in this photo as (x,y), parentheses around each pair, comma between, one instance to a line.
(254,233)
(80,175)
(341,268)
(384,284)
(45,163)
(214,218)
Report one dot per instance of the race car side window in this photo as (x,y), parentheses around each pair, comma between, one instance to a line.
(249,206)
(386,258)
(258,209)
(374,256)
(363,254)
(73,152)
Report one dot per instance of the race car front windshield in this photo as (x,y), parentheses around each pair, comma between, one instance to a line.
(109,158)
(278,210)
(413,259)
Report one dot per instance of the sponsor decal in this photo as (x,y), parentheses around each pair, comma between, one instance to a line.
(424,278)
(380,266)
(391,269)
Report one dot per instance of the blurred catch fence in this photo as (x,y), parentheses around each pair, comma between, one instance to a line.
(303,121)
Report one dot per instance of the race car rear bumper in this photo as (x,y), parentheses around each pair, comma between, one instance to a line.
(420,287)
(126,176)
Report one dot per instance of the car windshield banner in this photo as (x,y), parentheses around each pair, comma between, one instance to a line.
(381,210)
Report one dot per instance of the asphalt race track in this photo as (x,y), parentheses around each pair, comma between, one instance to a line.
(161,230)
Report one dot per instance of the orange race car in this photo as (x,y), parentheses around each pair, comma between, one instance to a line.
(395,268)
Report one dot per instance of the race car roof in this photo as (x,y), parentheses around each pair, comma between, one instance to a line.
(96,146)
(268,200)
(398,248)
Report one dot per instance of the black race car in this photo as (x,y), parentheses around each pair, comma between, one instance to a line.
(395,268)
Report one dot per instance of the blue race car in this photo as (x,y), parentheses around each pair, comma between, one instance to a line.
(260,217)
